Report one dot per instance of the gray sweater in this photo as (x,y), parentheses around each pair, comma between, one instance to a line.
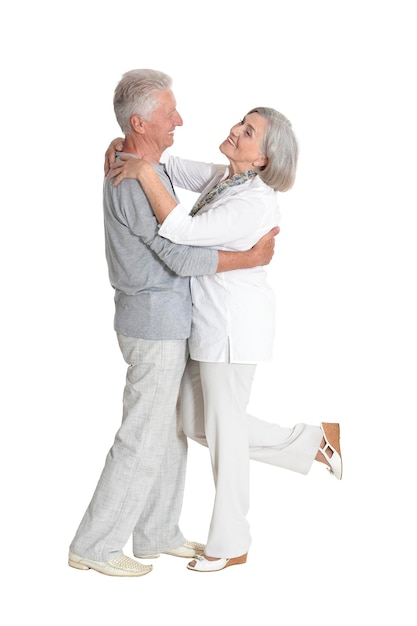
(150,275)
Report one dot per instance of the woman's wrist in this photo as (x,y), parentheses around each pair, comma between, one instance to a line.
(145,172)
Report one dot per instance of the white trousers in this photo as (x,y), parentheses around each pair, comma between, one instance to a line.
(212,409)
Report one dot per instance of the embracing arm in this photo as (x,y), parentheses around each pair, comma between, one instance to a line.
(197,261)
(260,254)
(159,198)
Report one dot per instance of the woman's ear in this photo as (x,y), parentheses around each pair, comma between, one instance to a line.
(260,162)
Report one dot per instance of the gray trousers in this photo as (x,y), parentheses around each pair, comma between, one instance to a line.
(140,490)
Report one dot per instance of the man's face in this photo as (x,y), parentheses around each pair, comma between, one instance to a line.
(163,121)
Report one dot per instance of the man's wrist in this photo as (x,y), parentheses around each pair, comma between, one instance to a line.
(235,260)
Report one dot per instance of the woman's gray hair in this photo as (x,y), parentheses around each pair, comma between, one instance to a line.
(137,94)
(280,146)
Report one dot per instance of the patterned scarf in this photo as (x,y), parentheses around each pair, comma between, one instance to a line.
(237,179)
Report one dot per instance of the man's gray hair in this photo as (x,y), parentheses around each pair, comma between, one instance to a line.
(137,94)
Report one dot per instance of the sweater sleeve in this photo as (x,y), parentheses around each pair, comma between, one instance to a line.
(183,260)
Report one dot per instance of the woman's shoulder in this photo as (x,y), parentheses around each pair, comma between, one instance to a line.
(259,185)
(171,160)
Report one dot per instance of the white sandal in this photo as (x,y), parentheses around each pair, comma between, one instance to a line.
(201,564)
(331,449)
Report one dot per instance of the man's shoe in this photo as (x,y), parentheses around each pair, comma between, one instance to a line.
(122,566)
(188,550)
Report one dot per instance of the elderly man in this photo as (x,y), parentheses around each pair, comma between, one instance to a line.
(141,487)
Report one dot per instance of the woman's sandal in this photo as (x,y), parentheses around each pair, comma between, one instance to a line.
(201,564)
(331,449)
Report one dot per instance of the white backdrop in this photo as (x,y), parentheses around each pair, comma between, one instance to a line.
(344,272)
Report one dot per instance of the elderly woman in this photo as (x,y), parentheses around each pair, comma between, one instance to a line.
(233,318)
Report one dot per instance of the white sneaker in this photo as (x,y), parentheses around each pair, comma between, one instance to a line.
(188,550)
(121,566)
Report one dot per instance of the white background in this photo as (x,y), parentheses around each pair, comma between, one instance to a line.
(344,272)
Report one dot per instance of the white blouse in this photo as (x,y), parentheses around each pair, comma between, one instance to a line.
(233,312)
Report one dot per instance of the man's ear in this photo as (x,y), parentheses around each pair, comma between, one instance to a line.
(137,123)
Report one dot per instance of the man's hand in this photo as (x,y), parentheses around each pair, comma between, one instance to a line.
(263,251)
(261,254)
(110,156)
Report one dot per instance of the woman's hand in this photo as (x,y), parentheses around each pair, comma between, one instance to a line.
(110,156)
(128,167)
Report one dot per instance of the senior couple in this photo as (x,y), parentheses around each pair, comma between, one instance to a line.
(194,314)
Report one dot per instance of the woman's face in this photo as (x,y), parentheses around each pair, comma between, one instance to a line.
(243,145)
